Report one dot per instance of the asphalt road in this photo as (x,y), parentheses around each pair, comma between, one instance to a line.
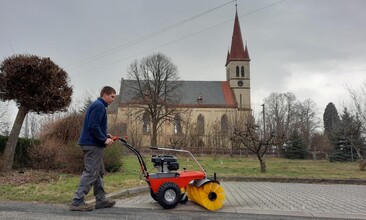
(37,211)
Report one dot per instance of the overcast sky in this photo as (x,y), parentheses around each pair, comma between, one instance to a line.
(312,48)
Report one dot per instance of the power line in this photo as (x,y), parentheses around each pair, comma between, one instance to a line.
(143,38)
(184,37)
(11,46)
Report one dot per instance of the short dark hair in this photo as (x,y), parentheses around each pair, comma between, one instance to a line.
(107,90)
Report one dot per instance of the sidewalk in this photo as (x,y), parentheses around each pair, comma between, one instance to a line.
(290,199)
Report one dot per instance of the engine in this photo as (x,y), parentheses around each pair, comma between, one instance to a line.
(165,163)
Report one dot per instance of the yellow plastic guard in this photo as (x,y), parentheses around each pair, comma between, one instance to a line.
(211,195)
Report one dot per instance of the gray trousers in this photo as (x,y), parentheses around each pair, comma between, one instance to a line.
(92,175)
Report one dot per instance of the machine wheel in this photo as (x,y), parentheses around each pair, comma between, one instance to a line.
(153,195)
(168,195)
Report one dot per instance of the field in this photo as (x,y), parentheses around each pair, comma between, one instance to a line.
(57,187)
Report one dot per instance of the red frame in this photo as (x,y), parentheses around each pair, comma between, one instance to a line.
(182,180)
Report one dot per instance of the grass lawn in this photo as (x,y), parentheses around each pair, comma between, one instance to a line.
(55,187)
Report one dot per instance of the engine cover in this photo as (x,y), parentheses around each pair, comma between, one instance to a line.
(165,163)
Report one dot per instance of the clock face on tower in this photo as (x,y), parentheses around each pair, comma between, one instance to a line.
(240,83)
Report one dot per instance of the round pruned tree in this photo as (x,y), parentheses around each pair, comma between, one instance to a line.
(36,85)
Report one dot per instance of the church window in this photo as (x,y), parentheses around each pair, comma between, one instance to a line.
(224,124)
(200,125)
(177,124)
(146,123)
(241,102)
(237,71)
(242,71)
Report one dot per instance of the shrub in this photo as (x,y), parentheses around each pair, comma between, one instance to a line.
(59,147)
(22,157)
(113,158)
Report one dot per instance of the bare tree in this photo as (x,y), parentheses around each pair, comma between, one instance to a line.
(155,90)
(36,85)
(358,97)
(249,137)
(308,122)
(217,138)
(281,110)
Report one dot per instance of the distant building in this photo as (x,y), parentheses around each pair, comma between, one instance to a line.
(207,106)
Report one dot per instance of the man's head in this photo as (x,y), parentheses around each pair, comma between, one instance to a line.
(108,94)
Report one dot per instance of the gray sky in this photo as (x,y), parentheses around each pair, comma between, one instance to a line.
(312,48)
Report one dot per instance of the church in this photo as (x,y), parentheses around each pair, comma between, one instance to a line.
(206,108)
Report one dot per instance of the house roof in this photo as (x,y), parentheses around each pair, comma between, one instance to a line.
(204,94)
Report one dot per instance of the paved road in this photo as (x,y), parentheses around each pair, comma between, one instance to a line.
(284,199)
(245,200)
(35,211)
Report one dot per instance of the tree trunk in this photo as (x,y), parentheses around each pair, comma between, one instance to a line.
(262,161)
(8,156)
(154,138)
(359,154)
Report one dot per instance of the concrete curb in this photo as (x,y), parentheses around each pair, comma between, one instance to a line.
(123,193)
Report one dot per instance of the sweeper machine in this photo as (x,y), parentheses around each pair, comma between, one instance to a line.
(170,186)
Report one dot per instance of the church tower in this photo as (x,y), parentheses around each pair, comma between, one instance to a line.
(238,68)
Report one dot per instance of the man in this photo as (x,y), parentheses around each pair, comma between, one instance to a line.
(93,140)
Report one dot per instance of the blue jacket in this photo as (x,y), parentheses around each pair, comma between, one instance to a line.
(94,132)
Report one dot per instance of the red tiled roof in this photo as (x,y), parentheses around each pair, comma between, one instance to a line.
(228,94)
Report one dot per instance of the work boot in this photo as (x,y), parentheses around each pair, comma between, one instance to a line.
(82,207)
(105,204)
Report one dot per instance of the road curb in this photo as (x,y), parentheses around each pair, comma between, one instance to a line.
(123,193)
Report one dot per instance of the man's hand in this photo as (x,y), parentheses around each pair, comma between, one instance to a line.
(109,141)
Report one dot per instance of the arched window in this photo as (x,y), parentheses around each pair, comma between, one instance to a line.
(237,71)
(146,123)
(177,124)
(200,125)
(224,124)
(242,71)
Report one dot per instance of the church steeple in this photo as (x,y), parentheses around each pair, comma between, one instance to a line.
(237,51)
(238,68)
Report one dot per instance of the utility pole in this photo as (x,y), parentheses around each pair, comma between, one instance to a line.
(264,122)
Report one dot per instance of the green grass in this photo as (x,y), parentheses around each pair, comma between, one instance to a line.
(53,187)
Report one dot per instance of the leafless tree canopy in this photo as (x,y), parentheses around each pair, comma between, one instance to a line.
(156,89)
(285,114)
(250,138)
(358,98)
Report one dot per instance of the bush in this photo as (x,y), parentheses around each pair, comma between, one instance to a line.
(22,157)
(59,147)
(54,155)
(113,158)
